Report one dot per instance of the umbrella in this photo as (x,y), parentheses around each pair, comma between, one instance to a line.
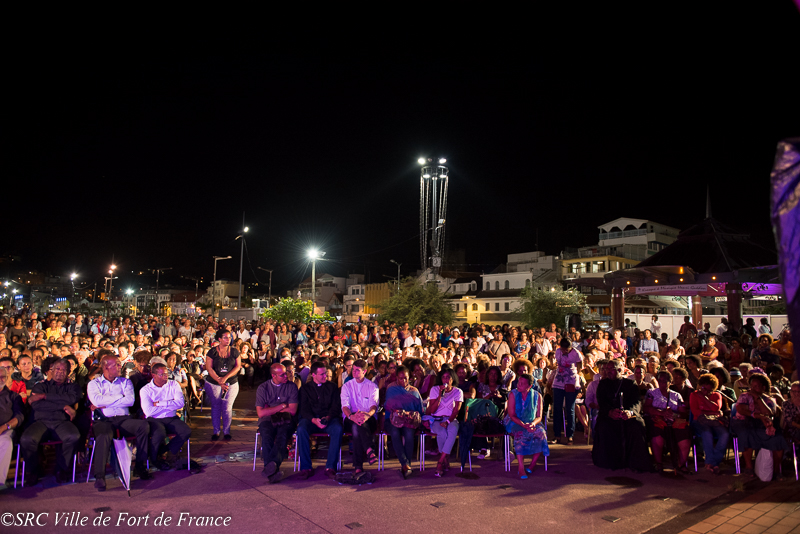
(123,457)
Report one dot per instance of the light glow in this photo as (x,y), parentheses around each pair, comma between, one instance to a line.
(442,161)
(421,161)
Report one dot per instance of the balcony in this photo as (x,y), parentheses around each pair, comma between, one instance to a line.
(626,233)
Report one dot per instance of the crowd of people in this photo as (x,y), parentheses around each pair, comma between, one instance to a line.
(640,395)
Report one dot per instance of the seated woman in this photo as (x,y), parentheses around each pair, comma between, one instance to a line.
(402,396)
(194,372)
(680,382)
(443,406)
(491,389)
(754,425)
(619,433)
(791,414)
(525,424)
(707,404)
(524,366)
(670,423)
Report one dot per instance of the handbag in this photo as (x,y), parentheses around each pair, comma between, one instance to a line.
(405,418)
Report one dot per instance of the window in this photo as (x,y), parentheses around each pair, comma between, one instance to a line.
(487,306)
(497,285)
(456,307)
(527,283)
(474,307)
(473,286)
(506,285)
(488,286)
(496,306)
(506,306)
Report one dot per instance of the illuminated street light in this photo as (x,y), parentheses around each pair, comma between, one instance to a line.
(421,161)
(129,291)
(434,181)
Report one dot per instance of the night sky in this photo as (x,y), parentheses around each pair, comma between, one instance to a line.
(151,151)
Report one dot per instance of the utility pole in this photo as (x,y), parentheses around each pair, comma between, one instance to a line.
(214,284)
(269,299)
(241,259)
(158,273)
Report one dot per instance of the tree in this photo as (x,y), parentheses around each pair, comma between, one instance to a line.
(288,310)
(415,304)
(540,308)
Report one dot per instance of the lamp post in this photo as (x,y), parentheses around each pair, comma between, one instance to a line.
(398,274)
(314,255)
(72,278)
(158,273)
(214,284)
(245,229)
(434,182)
(269,298)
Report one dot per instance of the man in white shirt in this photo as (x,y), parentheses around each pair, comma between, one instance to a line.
(359,404)
(412,339)
(242,333)
(722,327)
(111,396)
(655,327)
(161,398)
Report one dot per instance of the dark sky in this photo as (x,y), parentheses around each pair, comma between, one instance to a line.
(151,151)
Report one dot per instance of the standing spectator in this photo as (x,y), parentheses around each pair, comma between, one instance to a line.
(764,328)
(687,326)
(655,326)
(565,389)
(223,363)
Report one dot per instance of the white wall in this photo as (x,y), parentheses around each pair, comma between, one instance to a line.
(671,324)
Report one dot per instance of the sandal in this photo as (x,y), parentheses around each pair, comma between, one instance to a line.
(440,468)
(371,457)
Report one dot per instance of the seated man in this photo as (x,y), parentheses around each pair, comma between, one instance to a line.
(11,417)
(161,399)
(320,413)
(53,404)
(111,397)
(276,405)
(359,404)
(619,433)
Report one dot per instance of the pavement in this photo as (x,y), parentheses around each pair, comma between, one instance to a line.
(572,496)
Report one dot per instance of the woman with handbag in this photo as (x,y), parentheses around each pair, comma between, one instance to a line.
(706,405)
(403,408)
(524,422)
(565,389)
(669,415)
(754,423)
(443,407)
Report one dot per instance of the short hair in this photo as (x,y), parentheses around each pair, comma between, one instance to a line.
(401,369)
(157,366)
(361,364)
(664,373)
(143,356)
(491,369)
(708,378)
(763,378)
(48,363)
(21,356)
(219,333)
(694,358)
(447,371)
(722,375)
(107,358)
(681,371)
(316,366)
(526,376)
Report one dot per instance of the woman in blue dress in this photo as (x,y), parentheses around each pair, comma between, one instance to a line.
(524,423)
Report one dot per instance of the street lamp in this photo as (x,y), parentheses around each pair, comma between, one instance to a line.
(214,285)
(269,298)
(314,255)
(245,229)
(398,273)
(72,278)
(434,181)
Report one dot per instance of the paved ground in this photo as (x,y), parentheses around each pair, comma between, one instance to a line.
(573,496)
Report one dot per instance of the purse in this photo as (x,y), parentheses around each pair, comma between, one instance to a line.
(404,418)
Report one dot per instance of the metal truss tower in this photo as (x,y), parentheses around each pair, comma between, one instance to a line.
(433,182)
